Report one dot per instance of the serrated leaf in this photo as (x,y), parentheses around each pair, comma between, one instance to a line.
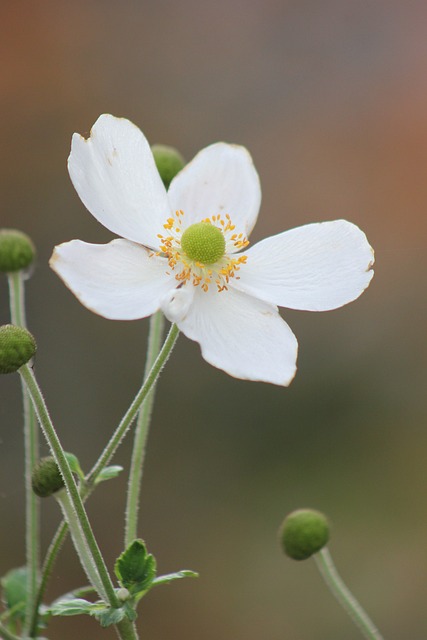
(74,463)
(109,616)
(14,585)
(178,575)
(135,568)
(108,473)
(130,611)
(80,592)
(74,607)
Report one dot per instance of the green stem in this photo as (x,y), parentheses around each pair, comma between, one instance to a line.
(70,484)
(346,599)
(46,572)
(80,542)
(16,298)
(141,432)
(126,630)
(5,634)
(31,448)
(131,413)
(102,462)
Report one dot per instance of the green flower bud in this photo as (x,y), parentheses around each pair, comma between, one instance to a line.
(46,478)
(17,347)
(168,161)
(16,250)
(303,533)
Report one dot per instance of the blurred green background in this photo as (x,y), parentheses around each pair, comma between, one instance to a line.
(331,100)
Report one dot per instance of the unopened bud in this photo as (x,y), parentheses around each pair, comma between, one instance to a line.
(303,533)
(46,478)
(17,250)
(168,161)
(17,347)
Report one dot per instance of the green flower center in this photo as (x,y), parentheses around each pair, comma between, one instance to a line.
(203,242)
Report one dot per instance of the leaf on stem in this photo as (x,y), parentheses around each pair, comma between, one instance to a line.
(68,605)
(177,575)
(109,616)
(135,568)
(108,473)
(14,585)
(74,607)
(74,463)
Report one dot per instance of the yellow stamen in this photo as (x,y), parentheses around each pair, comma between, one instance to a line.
(193,271)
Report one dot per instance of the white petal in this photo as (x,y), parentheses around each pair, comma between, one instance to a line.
(316,267)
(117,280)
(176,303)
(115,175)
(244,336)
(221,179)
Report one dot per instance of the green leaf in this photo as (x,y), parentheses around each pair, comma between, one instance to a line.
(109,616)
(80,592)
(108,473)
(135,568)
(74,463)
(169,577)
(130,611)
(14,585)
(106,616)
(74,607)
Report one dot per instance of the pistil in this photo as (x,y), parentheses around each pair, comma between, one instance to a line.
(199,253)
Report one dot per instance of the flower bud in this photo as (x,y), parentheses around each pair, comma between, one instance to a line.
(303,533)
(17,347)
(168,161)
(16,250)
(46,478)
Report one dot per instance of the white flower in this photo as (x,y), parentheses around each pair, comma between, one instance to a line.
(185,252)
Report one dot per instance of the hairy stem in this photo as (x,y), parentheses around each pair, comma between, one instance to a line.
(70,484)
(126,630)
(31,448)
(46,572)
(5,634)
(141,432)
(344,596)
(102,462)
(80,543)
(131,413)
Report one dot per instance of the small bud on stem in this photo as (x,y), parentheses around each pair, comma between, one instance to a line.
(17,250)
(303,533)
(46,478)
(168,161)
(17,347)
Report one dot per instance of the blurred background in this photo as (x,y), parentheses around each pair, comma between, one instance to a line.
(331,99)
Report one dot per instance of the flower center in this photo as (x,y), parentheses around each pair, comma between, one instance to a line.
(204,243)
(203,253)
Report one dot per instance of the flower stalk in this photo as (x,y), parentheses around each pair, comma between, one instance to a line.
(344,596)
(5,634)
(126,630)
(80,542)
(102,462)
(131,413)
(47,568)
(31,448)
(70,484)
(141,432)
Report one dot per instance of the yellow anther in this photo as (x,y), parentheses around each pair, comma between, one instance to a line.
(195,271)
